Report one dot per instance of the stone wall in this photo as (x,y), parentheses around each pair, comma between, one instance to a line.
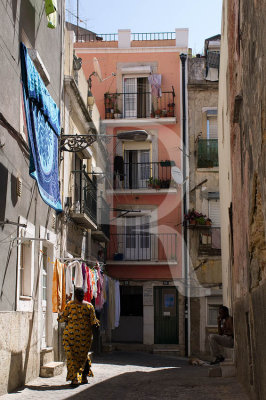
(19,349)
(246,105)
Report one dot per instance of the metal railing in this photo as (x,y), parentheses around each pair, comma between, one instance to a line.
(142,175)
(142,247)
(104,217)
(210,241)
(208,153)
(85,195)
(99,37)
(140,104)
(153,36)
(113,37)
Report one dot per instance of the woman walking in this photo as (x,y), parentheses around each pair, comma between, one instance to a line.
(77,337)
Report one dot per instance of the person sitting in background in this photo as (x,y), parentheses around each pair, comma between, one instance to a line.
(225,337)
(77,337)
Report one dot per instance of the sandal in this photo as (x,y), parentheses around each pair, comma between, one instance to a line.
(75,382)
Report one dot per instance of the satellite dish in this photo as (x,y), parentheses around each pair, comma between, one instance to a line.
(97,69)
(177,175)
(137,135)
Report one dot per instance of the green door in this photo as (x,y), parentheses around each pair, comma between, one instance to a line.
(165,315)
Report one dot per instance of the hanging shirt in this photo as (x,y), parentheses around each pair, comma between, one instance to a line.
(69,281)
(78,279)
(84,277)
(117,303)
(155,82)
(58,289)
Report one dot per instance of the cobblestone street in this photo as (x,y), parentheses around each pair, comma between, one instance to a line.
(137,376)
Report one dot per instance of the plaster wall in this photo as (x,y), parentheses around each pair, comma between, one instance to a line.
(244,101)
(22,21)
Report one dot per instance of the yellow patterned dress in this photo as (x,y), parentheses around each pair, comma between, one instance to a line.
(77,338)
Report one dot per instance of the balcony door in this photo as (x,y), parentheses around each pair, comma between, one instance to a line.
(137,97)
(137,169)
(137,238)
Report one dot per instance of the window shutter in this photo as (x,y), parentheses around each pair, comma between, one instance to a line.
(214,212)
(213,128)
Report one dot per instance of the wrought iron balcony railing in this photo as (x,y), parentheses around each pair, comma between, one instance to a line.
(139,104)
(85,195)
(210,241)
(143,247)
(208,153)
(155,175)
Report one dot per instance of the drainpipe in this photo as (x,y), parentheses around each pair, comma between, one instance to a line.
(183,58)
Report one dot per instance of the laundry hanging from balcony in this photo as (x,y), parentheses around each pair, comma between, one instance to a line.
(155,80)
(43,125)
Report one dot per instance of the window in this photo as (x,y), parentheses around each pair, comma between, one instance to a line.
(213,304)
(212,127)
(25,269)
(214,212)
(25,266)
(137,169)
(137,97)
(212,314)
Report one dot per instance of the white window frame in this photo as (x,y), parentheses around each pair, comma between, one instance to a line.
(25,303)
(49,240)
(212,301)
(136,77)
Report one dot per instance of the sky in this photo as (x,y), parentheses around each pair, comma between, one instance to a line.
(202,17)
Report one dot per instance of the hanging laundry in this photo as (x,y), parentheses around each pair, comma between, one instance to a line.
(58,289)
(155,81)
(50,6)
(52,20)
(88,295)
(43,124)
(99,300)
(117,303)
(84,277)
(69,282)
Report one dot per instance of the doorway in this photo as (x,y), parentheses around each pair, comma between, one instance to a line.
(166,330)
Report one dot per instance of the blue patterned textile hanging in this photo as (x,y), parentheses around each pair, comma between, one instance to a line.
(43,124)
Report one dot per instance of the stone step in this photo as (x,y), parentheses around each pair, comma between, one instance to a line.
(228,368)
(47,355)
(51,369)
(168,352)
(215,372)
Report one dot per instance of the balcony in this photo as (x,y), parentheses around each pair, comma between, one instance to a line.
(209,241)
(144,246)
(143,175)
(103,224)
(139,105)
(113,37)
(84,200)
(208,153)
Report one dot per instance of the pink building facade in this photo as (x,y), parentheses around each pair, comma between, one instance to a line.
(136,83)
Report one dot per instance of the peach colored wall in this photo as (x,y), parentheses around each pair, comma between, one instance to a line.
(168,205)
(168,66)
(146,272)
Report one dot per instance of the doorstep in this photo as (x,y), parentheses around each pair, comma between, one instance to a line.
(52,369)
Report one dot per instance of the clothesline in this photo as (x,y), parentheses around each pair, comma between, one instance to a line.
(96,284)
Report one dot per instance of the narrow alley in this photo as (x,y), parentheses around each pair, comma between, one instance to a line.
(138,376)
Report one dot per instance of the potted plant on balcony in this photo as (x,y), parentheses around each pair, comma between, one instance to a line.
(117,113)
(171,109)
(196,218)
(158,113)
(154,183)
